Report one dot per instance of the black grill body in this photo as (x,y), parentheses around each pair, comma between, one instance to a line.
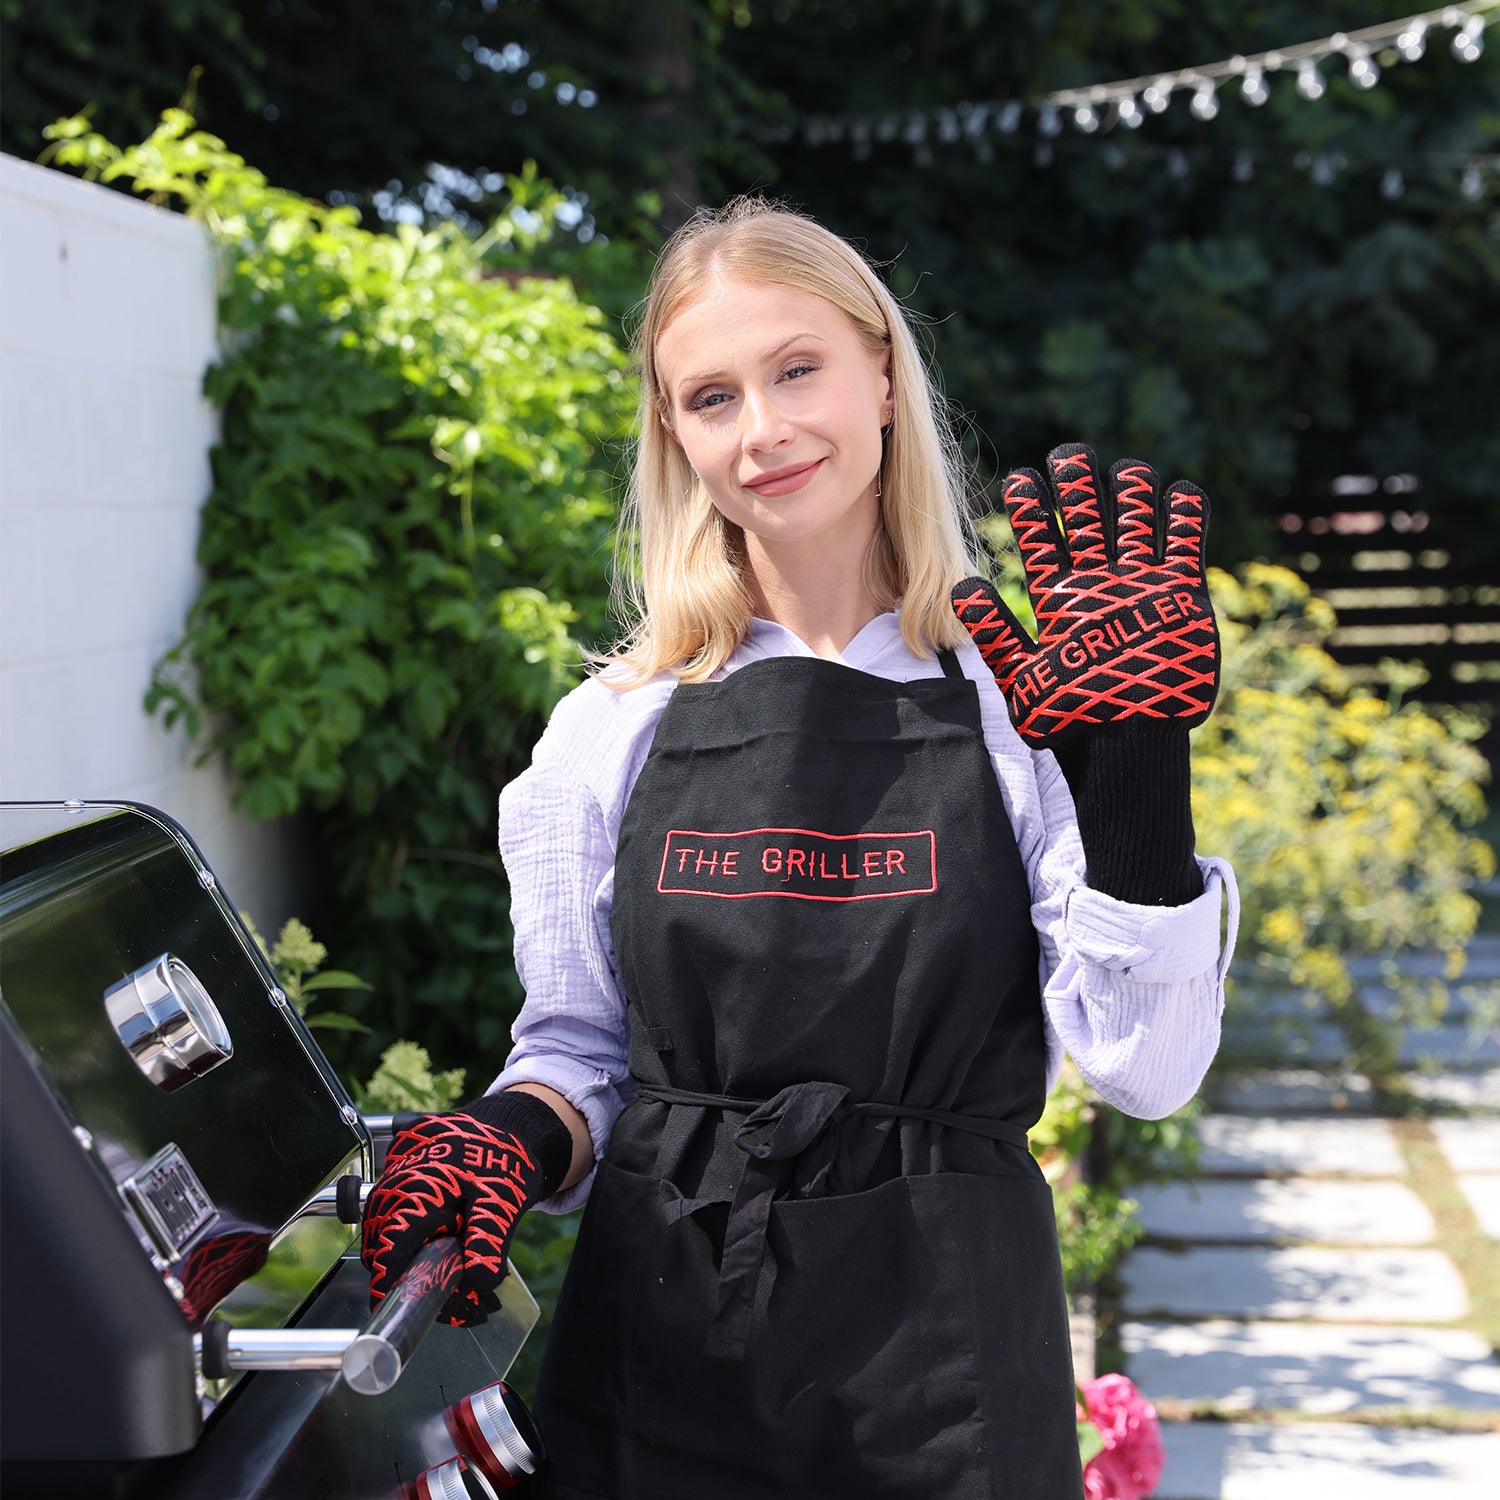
(159,1097)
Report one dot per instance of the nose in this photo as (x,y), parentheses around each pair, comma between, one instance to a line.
(765,424)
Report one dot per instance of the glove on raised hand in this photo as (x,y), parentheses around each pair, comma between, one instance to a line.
(1124,624)
(1126,658)
(470,1175)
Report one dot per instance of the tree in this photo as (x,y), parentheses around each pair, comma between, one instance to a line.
(1193,292)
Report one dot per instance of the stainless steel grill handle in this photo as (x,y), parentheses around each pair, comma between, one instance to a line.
(374,1360)
(371,1358)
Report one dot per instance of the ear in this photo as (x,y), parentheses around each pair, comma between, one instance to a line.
(669,429)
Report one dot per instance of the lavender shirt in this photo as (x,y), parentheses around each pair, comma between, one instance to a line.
(1133,994)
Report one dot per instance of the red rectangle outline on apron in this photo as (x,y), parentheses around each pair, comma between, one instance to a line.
(889,860)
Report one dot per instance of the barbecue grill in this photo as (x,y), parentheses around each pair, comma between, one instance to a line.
(183,1312)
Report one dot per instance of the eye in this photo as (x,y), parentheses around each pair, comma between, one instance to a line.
(796,371)
(707,400)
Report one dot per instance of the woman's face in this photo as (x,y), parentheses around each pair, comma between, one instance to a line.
(778,406)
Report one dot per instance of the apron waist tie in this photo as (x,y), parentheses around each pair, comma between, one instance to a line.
(797,1125)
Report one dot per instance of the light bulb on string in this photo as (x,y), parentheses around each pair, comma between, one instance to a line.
(1159,95)
(1253,87)
(1205,100)
(1010,117)
(1244,167)
(1393,184)
(1364,71)
(1412,43)
(1468,43)
(1128,113)
(1471,184)
(1086,118)
(1309,81)
(1049,122)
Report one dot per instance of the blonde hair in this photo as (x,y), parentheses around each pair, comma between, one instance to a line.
(680,565)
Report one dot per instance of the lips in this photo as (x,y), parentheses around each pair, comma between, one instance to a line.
(784,481)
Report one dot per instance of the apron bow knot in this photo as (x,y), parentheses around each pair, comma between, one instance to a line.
(790,1121)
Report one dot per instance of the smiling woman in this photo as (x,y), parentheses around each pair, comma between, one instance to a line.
(776,363)
(806,922)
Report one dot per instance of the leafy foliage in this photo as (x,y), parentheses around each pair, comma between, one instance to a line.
(297,958)
(404,1082)
(1343,811)
(410,522)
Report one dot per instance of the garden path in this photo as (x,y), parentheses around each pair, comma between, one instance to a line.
(1318,1313)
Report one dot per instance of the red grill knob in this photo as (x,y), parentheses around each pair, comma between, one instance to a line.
(453,1480)
(495,1432)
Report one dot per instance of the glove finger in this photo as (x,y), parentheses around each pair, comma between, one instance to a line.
(397,1224)
(1002,641)
(1074,473)
(486,1233)
(1133,485)
(467,1308)
(1039,538)
(1187,526)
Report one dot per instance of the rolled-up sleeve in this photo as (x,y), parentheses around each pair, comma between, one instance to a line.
(1134,994)
(572,1032)
(559,826)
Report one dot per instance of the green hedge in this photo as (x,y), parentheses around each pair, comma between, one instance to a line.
(409,530)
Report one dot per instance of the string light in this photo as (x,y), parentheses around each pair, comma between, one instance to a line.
(1412,42)
(1364,71)
(1407,35)
(1468,43)
(1309,81)
(1097,109)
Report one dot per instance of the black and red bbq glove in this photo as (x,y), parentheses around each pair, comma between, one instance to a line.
(212,1269)
(1125,662)
(469,1175)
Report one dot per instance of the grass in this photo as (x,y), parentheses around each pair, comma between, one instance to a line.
(1476,1256)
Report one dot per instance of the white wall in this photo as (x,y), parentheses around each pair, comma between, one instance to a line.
(107,323)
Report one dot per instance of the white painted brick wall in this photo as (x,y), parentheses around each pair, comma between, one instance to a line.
(106,326)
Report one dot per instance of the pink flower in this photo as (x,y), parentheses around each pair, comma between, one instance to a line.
(1133,1457)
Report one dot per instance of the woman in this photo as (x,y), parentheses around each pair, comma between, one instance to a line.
(806,922)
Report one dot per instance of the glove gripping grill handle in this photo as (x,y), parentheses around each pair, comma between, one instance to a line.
(371,1358)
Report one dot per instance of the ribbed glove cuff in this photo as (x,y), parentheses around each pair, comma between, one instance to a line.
(536,1125)
(1131,784)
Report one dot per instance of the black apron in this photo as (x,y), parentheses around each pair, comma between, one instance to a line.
(818,1259)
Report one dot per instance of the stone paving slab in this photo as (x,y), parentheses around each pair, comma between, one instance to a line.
(1322,1368)
(1481,961)
(1473,1089)
(1483,1194)
(1470,1145)
(1325,1461)
(1294,1091)
(1450,1045)
(1324,1146)
(1339,1213)
(1324,1045)
(1353,1286)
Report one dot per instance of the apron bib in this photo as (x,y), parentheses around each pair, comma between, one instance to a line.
(817,1259)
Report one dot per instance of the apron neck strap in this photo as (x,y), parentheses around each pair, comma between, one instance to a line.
(951,669)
